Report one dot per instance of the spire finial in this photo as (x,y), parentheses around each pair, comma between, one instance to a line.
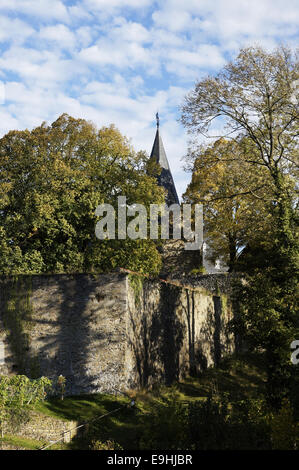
(157,119)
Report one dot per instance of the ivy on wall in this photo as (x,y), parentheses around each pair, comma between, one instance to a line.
(18,321)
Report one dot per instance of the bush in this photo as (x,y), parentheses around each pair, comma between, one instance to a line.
(17,392)
(166,426)
(284,429)
(214,423)
(105,445)
(220,424)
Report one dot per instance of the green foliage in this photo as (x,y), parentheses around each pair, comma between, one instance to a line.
(107,445)
(17,320)
(200,270)
(136,282)
(284,428)
(218,423)
(16,394)
(213,423)
(234,195)
(254,94)
(165,427)
(52,179)
(268,315)
(247,184)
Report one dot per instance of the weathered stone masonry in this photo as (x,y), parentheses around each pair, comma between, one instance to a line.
(112,332)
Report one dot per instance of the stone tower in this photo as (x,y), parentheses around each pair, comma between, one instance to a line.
(165,178)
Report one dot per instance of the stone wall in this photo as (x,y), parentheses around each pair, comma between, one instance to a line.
(47,428)
(69,325)
(175,330)
(112,332)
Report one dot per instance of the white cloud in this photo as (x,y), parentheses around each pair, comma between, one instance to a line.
(205,55)
(84,35)
(14,30)
(47,9)
(230,19)
(117,54)
(7,121)
(41,67)
(173,20)
(129,31)
(163,39)
(60,34)
(116,4)
(79,13)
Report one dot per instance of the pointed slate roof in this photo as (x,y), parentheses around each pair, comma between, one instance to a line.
(165,178)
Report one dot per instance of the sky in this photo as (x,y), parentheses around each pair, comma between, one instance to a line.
(121,61)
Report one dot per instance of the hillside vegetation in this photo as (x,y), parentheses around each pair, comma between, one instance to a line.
(164,418)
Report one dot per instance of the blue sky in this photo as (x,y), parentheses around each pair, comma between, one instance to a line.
(119,61)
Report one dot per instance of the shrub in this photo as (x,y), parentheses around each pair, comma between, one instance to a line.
(105,445)
(284,429)
(166,426)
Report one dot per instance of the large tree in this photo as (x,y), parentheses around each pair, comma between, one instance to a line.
(256,97)
(51,181)
(235,199)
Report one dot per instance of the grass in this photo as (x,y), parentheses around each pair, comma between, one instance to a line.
(121,426)
(240,377)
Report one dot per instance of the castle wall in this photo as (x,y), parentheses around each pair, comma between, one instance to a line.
(176,330)
(111,332)
(69,325)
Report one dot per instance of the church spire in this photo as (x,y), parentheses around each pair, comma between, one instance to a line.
(165,178)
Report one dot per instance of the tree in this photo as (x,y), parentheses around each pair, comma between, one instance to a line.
(257,96)
(235,199)
(16,394)
(51,181)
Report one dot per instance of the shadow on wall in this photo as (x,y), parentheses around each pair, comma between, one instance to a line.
(197,358)
(50,334)
(204,337)
(65,351)
(171,335)
(173,332)
(156,335)
(75,326)
(16,316)
(217,329)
